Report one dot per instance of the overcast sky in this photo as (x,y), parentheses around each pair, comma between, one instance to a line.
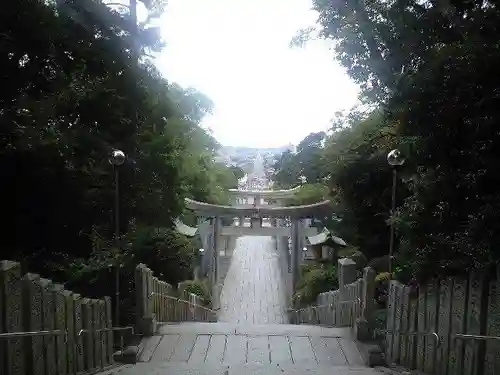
(237,53)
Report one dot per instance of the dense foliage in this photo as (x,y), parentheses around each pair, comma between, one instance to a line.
(76,84)
(314,280)
(305,164)
(431,70)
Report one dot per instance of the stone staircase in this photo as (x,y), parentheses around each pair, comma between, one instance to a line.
(232,349)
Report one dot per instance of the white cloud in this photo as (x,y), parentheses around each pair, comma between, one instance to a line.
(237,52)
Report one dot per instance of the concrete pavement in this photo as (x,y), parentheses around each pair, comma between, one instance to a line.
(254,291)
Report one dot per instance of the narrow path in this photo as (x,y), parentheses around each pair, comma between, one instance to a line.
(254,291)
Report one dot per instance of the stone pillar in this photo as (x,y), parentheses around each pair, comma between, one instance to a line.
(146,322)
(346,275)
(302,239)
(255,222)
(296,250)
(364,324)
(217,241)
(242,221)
(286,242)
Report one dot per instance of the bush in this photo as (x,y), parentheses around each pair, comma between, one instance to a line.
(382,287)
(380,264)
(353,253)
(198,288)
(315,279)
(167,253)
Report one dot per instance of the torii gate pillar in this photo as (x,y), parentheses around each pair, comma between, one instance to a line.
(296,253)
(214,270)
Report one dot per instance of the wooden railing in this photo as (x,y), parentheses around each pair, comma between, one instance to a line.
(447,327)
(175,309)
(157,302)
(330,310)
(45,329)
(352,305)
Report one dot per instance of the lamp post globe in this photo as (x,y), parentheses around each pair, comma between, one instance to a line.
(395,158)
(117,157)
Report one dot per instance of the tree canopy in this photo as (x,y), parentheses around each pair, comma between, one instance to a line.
(306,162)
(77,84)
(430,70)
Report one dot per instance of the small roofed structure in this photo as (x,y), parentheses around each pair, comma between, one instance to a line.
(324,244)
(326,238)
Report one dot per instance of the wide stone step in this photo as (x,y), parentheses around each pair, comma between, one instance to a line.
(252,329)
(273,345)
(168,368)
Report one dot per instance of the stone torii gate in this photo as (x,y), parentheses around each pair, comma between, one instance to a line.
(212,231)
(277,197)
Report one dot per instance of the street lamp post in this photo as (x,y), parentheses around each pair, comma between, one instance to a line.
(395,160)
(116,159)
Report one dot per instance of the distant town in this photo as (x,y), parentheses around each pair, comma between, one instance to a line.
(244,157)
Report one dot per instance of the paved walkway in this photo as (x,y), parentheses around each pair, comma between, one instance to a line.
(254,291)
(236,349)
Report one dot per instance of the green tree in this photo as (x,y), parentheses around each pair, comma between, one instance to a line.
(77,85)
(431,69)
(306,162)
(309,194)
(361,180)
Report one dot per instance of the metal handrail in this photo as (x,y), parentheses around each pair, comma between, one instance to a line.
(86,330)
(412,333)
(331,305)
(183,301)
(112,329)
(13,335)
(456,336)
(461,336)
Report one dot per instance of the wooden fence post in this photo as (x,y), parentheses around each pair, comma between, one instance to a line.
(87,322)
(444,326)
(11,312)
(109,324)
(492,354)
(60,323)
(96,334)
(78,326)
(48,320)
(70,326)
(391,309)
(33,322)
